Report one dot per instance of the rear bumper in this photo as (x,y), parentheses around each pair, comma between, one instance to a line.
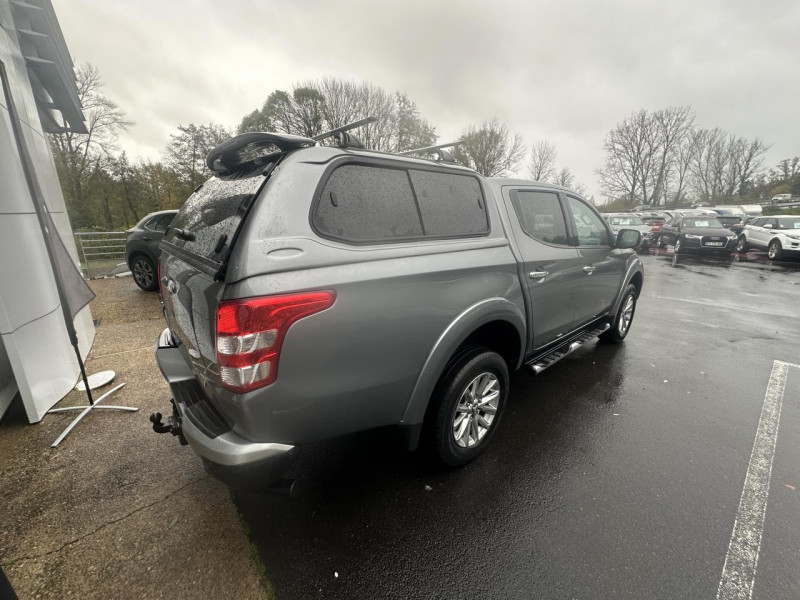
(230,458)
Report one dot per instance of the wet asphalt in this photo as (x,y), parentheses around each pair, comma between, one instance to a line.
(617,473)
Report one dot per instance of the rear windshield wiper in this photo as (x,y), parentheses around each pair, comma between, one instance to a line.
(185,234)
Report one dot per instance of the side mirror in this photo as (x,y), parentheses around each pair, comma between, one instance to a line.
(628,238)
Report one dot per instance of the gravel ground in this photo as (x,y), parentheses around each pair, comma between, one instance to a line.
(117,511)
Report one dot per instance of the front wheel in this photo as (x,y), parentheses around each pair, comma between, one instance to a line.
(467,405)
(144,273)
(741,245)
(624,319)
(775,250)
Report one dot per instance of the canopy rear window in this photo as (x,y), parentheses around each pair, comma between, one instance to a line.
(365,203)
(206,225)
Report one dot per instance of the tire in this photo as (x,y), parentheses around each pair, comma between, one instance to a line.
(624,317)
(678,246)
(454,410)
(144,273)
(742,245)
(775,250)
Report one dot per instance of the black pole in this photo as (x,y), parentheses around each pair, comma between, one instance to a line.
(36,193)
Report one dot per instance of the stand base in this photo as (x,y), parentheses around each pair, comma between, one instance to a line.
(85,410)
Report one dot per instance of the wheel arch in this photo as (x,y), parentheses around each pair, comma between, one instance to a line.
(139,252)
(635,275)
(495,322)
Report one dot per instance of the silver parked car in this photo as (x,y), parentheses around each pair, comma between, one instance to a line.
(315,291)
(619,221)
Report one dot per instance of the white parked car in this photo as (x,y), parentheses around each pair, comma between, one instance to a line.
(779,236)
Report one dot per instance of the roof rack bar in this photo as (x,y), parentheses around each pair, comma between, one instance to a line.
(344,128)
(430,149)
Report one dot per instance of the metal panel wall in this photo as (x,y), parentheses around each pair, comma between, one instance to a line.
(36,350)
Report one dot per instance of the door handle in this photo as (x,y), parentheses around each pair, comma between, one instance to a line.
(146,238)
(589,270)
(538,274)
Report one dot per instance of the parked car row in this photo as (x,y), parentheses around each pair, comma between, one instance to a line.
(720,230)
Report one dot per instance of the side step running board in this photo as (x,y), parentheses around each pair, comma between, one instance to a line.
(540,363)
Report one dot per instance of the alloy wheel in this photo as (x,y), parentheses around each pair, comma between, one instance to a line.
(627,315)
(143,272)
(476,410)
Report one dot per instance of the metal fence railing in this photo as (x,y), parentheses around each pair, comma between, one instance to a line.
(101,252)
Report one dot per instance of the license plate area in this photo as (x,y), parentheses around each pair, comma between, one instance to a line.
(713,244)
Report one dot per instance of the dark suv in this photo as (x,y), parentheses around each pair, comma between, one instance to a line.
(141,247)
(314,291)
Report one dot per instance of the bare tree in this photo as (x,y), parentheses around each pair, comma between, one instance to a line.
(643,154)
(318,105)
(748,160)
(80,156)
(683,156)
(490,149)
(628,159)
(723,165)
(787,168)
(671,126)
(565,178)
(543,161)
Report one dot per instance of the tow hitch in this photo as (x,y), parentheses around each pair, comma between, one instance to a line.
(172,425)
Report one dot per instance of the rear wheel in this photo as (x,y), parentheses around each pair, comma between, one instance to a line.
(775,250)
(467,405)
(144,273)
(741,245)
(624,319)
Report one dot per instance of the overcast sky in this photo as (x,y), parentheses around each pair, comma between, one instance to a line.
(564,71)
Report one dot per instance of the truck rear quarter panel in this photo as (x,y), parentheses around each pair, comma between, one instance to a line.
(357,365)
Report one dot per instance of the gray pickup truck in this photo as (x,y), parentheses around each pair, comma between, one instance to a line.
(313,291)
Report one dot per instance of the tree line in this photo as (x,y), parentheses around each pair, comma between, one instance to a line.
(657,157)
(663,158)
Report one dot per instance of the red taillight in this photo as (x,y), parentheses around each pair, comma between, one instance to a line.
(250,334)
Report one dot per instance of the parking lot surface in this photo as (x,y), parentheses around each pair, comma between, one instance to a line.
(618,473)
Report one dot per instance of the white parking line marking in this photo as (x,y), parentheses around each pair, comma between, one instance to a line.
(739,572)
(715,304)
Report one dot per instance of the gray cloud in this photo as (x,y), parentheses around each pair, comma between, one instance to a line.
(564,71)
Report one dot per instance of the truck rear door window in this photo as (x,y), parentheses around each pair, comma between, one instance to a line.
(368,204)
(540,216)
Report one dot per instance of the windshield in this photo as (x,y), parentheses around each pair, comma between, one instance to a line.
(625,221)
(702,223)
